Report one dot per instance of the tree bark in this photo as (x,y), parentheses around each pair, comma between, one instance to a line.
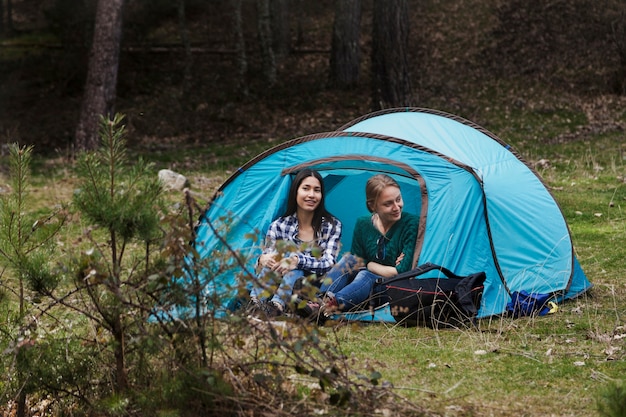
(121,376)
(101,83)
(265,41)
(345,55)
(6,16)
(240,48)
(1,17)
(391,84)
(281,35)
(186,43)
(9,22)
(9,17)
(619,39)
(300,18)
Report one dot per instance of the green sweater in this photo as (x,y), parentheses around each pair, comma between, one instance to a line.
(401,238)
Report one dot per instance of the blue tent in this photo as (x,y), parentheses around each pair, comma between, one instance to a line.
(481,207)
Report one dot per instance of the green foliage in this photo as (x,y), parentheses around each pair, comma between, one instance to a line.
(25,238)
(189,392)
(121,203)
(114,405)
(184,366)
(26,250)
(63,362)
(612,400)
(115,194)
(38,274)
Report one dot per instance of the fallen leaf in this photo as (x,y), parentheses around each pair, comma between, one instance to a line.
(611,350)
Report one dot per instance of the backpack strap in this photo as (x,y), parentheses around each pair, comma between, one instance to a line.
(420,270)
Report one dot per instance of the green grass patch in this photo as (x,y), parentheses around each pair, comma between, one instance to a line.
(561,364)
(537,366)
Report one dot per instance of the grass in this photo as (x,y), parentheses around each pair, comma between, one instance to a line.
(542,366)
(553,365)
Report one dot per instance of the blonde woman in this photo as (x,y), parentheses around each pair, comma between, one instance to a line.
(382,246)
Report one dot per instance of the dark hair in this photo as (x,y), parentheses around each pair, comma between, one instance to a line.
(292,204)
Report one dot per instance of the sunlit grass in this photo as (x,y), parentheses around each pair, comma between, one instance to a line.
(554,362)
(551,365)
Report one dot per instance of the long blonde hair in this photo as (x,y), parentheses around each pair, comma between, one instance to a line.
(375,185)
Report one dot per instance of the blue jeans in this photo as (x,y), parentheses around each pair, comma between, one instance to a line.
(351,283)
(357,291)
(284,290)
(340,275)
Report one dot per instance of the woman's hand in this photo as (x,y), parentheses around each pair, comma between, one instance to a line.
(383,270)
(399,259)
(267,260)
(280,265)
(286,264)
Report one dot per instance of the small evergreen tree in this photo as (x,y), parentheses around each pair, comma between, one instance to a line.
(611,401)
(25,255)
(120,202)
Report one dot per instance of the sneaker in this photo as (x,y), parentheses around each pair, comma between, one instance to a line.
(254,307)
(264,309)
(311,311)
(312,308)
(273,309)
(329,306)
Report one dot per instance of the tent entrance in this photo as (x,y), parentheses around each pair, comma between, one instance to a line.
(344,182)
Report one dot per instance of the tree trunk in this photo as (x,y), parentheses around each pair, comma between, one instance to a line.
(281,36)
(619,39)
(184,39)
(1,17)
(300,18)
(101,84)
(6,17)
(121,376)
(240,48)
(21,410)
(9,17)
(265,40)
(391,85)
(345,54)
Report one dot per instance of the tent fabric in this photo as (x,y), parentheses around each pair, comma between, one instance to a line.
(481,206)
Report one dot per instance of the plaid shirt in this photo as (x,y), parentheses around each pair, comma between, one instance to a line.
(326,243)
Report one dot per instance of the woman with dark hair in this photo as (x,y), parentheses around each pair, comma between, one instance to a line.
(383,245)
(304,241)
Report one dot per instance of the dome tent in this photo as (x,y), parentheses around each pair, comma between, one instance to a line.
(480,206)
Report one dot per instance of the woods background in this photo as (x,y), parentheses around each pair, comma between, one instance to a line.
(196,71)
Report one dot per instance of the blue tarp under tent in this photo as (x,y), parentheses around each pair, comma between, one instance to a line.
(481,207)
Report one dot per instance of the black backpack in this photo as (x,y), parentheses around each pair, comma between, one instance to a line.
(450,301)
